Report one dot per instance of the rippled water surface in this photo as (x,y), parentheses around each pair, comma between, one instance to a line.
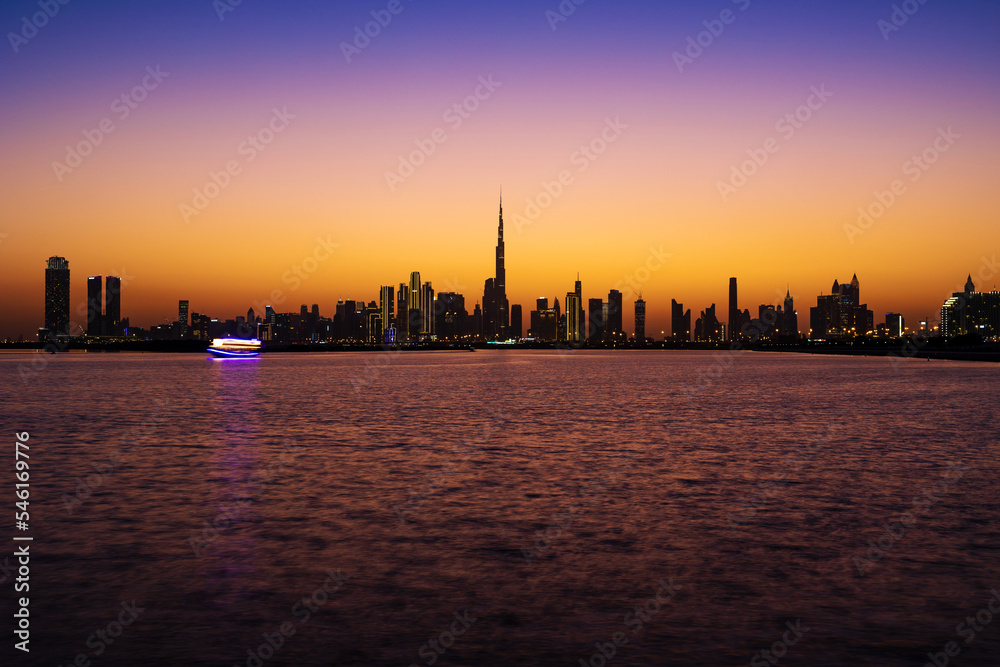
(538,496)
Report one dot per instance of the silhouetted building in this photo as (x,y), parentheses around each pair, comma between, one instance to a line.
(477,322)
(707,328)
(841,313)
(95,321)
(595,320)
(112,320)
(182,318)
(574,323)
(680,322)
(640,320)
(495,306)
(426,312)
(895,325)
(450,316)
(790,318)
(415,306)
(735,317)
(57,296)
(516,325)
(387,302)
(403,313)
(613,324)
(971,313)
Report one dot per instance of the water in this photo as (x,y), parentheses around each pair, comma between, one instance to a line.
(540,496)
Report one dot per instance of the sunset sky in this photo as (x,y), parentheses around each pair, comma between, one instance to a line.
(673,131)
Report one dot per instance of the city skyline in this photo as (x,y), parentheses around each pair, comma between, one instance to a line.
(735,146)
(413,314)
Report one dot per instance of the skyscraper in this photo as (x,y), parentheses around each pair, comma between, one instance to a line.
(640,320)
(574,323)
(595,320)
(57,296)
(402,313)
(614,321)
(841,314)
(495,307)
(680,322)
(113,306)
(182,317)
(516,322)
(387,302)
(735,325)
(427,311)
(94,321)
(414,307)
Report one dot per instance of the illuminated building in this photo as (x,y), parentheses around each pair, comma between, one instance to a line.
(57,296)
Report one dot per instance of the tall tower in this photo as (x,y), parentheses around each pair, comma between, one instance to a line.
(500,282)
(57,296)
(387,301)
(734,311)
(182,317)
(94,289)
(112,306)
(640,320)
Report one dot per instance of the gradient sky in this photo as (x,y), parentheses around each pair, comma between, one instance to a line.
(655,186)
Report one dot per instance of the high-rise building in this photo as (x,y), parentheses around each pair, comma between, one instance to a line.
(387,302)
(57,296)
(95,322)
(640,320)
(972,313)
(113,306)
(595,320)
(450,316)
(414,307)
(182,317)
(427,312)
(574,323)
(495,306)
(841,313)
(790,319)
(403,313)
(516,323)
(707,328)
(680,322)
(735,325)
(614,321)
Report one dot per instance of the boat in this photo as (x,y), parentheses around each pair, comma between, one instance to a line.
(235,347)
